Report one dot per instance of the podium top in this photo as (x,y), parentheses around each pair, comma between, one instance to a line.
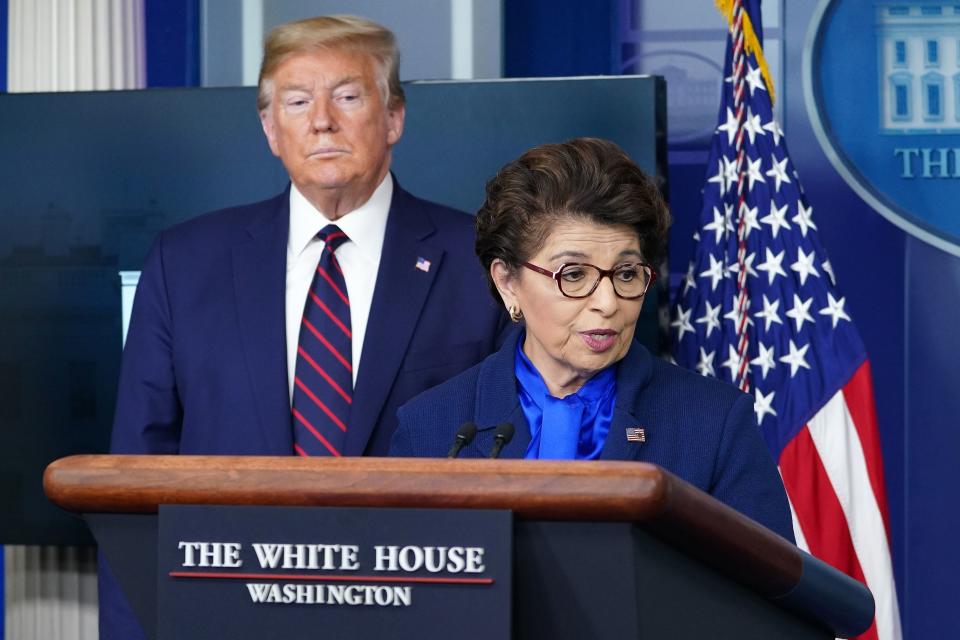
(609,491)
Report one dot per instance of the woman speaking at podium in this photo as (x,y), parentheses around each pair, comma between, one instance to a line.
(569,235)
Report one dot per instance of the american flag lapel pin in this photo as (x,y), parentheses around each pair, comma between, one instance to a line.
(423,264)
(636,434)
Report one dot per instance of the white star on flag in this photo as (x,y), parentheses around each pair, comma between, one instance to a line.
(715,272)
(803,219)
(800,311)
(765,360)
(710,317)
(774,130)
(682,323)
(796,358)
(777,218)
(705,366)
(719,225)
(778,171)
(763,404)
(733,360)
(752,126)
(747,264)
(753,172)
(772,265)
(804,266)
(834,309)
(690,280)
(730,126)
(754,80)
(769,313)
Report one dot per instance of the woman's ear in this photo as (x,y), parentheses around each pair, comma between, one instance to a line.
(505,280)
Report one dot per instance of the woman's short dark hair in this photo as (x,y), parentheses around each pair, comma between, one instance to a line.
(585,178)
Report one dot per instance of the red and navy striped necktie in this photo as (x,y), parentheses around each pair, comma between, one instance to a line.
(323,383)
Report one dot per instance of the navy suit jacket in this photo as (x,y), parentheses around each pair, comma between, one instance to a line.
(700,429)
(205,362)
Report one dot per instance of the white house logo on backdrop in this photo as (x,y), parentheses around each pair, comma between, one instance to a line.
(885,105)
(919,54)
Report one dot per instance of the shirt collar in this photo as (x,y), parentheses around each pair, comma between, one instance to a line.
(365,225)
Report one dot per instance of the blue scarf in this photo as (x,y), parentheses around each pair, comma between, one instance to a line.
(570,428)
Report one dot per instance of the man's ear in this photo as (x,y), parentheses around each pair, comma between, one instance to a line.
(269,130)
(506,282)
(395,118)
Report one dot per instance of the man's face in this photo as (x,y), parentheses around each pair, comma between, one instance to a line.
(328,123)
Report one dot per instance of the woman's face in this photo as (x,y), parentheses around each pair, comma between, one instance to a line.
(569,340)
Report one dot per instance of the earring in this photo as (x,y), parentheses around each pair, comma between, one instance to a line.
(515,314)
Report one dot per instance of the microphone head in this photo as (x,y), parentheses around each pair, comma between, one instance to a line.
(504,432)
(467,432)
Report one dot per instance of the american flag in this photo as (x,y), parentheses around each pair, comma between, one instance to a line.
(760,308)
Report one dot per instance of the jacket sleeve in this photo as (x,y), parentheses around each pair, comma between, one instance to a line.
(148,415)
(745,475)
(400,442)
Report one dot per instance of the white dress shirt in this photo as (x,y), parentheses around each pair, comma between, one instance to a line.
(359,258)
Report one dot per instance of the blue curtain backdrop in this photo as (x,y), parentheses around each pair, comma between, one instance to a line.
(173,42)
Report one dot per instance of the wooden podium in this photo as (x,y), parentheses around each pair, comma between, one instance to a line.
(601,549)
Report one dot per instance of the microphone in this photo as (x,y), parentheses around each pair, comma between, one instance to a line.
(465,435)
(502,436)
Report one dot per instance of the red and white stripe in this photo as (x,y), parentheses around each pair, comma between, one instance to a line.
(833,473)
(742,374)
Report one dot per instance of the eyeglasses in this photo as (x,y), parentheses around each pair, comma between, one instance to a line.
(631,280)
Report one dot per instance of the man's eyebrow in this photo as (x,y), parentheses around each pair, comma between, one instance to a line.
(346,80)
(294,87)
(336,85)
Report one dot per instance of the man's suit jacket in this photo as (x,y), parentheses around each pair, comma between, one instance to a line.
(204,367)
(698,428)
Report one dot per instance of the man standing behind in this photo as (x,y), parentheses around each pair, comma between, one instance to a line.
(300,324)
(341,298)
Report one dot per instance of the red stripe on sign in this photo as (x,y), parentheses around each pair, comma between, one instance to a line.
(319,403)
(336,289)
(316,434)
(331,315)
(326,343)
(326,376)
(858,394)
(821,517)
(300,451)
(315,578)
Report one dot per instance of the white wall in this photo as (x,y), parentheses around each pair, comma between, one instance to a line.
(438,39)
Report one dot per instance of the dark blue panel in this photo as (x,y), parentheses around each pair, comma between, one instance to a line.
(932,441)
(173,42)
(89,178)
(558,38)
(3,82)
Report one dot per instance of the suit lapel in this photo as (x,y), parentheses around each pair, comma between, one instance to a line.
(259,267)
(497,402)
(398,299)
(632,376)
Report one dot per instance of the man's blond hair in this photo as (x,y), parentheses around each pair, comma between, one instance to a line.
(342,33)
